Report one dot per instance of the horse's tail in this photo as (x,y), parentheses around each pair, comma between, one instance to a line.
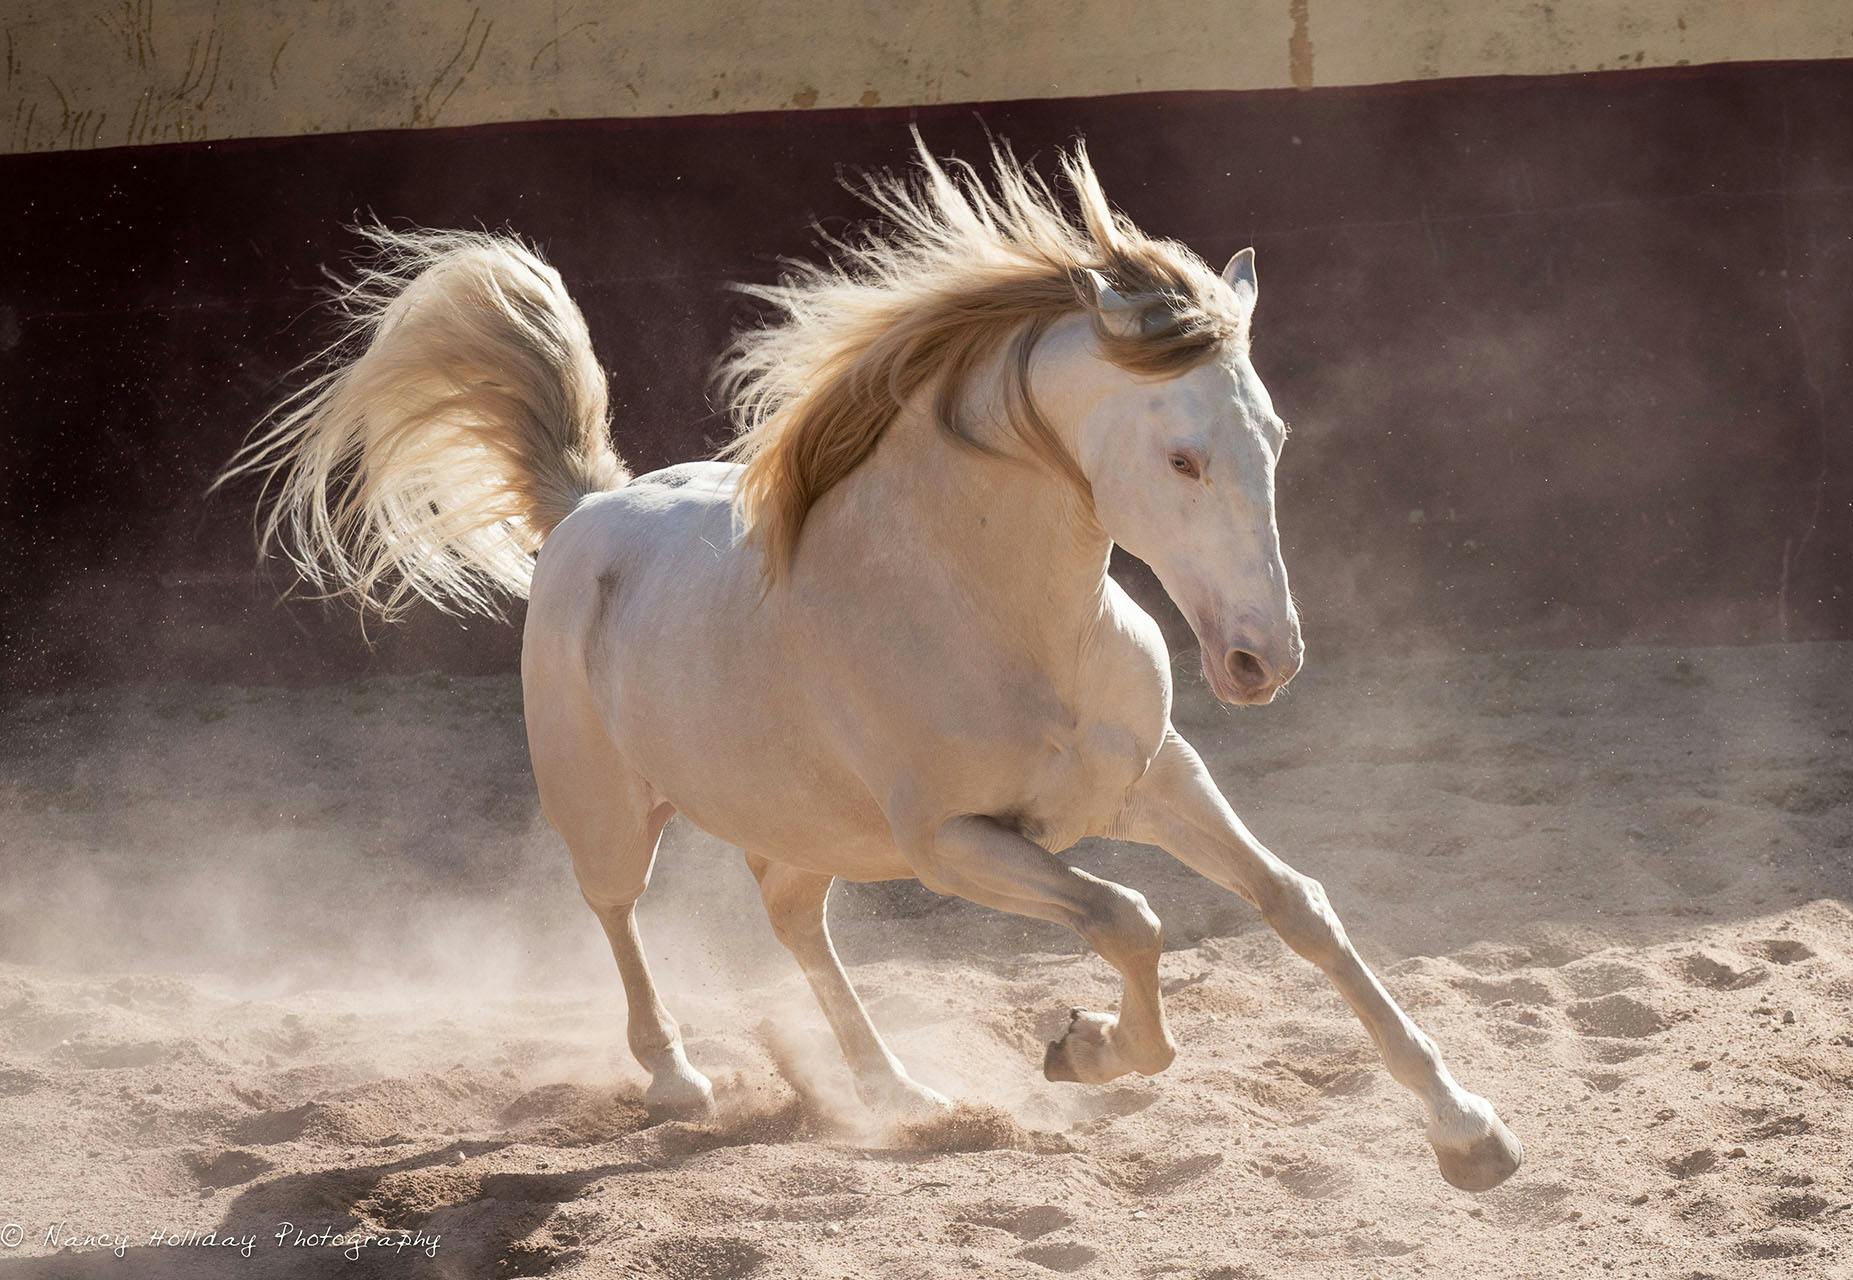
(462,419)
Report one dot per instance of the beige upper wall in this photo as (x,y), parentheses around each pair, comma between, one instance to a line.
(102,73)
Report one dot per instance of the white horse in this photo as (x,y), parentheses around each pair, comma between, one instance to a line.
(881,643)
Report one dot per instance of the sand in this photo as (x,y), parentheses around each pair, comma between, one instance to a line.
(310,957)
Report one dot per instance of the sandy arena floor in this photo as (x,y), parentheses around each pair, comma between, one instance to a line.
(275,957)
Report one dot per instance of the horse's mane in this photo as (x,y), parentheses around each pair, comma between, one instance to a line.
(955,271)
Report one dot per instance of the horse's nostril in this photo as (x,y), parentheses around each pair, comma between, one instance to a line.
(1247,670)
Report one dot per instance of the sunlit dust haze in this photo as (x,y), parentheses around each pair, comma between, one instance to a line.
(1567,508)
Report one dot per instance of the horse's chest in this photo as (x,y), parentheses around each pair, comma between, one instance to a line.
(1079,757)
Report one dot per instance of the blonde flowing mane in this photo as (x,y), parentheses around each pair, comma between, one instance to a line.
(954,272)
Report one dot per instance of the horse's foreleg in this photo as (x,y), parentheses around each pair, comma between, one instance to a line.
(795,902)
(980,860)
(1178,807)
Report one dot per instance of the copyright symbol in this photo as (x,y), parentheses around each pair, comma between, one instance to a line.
(11,1234)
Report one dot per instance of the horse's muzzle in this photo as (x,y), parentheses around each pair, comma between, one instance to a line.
(1246,677)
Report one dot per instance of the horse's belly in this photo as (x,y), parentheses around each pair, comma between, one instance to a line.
(747,768)
(694,682)
(755,787)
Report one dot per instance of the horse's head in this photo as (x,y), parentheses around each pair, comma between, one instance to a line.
(1154,412)
(1182,473)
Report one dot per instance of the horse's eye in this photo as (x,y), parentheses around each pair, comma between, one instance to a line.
(1185,465)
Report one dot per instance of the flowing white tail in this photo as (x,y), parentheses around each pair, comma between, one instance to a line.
(463,419)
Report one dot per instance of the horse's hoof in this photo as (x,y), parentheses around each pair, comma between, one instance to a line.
(903,1098)
(1085,1054)
(1055,1065)
(1483,1161)
(1092,1051)
(675,1096)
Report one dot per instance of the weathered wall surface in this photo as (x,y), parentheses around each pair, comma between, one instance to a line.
(104,73)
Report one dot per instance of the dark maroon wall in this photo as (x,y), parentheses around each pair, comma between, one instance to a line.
(1566,358)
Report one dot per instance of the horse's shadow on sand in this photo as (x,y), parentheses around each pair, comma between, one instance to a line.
(477,1237)
(490,1232)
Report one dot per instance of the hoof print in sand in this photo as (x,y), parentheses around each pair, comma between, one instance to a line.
(14,1081)
(1721,971)
(1031,1223)
(1690,1165)
(1367,1245)
(1798,1206)
(1590,978)
(1780,1242)
(1058,1256)
(1785,951)
(1306,1177)
(1181,1174)
(271,1128)
(706,1258)
(215,1169)
(1617,1017)
(1789,1126)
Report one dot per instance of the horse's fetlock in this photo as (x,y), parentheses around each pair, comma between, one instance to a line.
(1159,1057)
(652,1045)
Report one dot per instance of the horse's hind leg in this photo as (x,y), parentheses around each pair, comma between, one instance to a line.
(795,903)
(611,820)
(676,1088)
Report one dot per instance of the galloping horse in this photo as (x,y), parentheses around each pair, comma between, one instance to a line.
(878,639)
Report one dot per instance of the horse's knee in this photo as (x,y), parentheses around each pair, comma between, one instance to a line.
(1118,923)
(1299,911)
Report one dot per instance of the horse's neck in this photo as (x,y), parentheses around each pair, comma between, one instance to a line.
(1018,536)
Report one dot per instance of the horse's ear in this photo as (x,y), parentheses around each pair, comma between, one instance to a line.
(1119,313)
(1239,275)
